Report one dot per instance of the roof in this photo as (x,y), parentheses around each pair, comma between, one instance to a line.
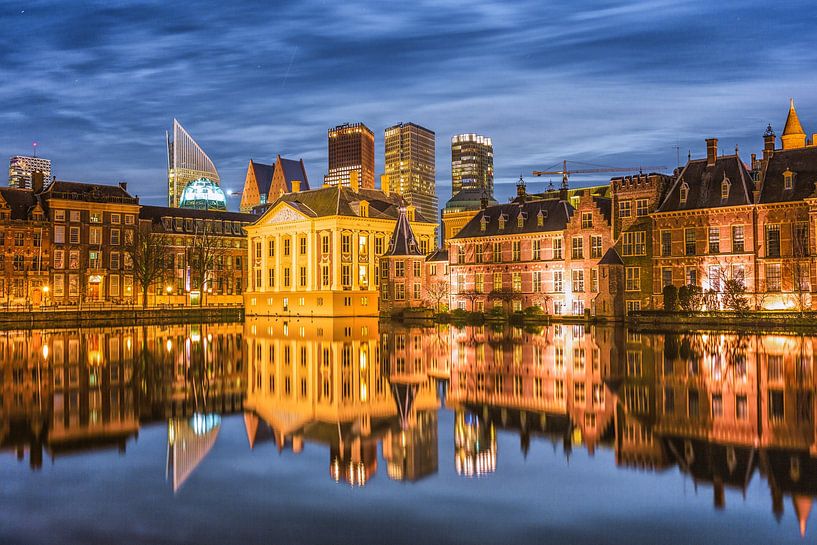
(343,201)
(802,162)
(155,213)
(19,201)
(605,206)
(555,217)
(611,257)
(263,176)
(294,170)
(79,191)
(793,125)
(403,242)
(704,185)
(438,255)
(469,199)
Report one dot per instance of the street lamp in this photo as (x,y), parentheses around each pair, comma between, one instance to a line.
(45,294)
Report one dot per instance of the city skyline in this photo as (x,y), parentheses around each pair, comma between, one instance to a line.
(589,83)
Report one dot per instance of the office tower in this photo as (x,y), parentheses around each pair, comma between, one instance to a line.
(410,166)
(351,149)
(21,167)
(186,162)
(472,163)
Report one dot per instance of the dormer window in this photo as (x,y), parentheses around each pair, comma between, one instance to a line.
(540,219)
(363,209)
(520,220)
(684,193)
(483,223)
(788,179)
(501,222)
(725,185)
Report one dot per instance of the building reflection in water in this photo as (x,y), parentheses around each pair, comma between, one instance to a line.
(350,386)
(74,390)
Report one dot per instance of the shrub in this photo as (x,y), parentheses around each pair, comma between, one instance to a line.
(670,298)
(690,298)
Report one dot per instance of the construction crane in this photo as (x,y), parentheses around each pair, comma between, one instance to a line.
(565,173)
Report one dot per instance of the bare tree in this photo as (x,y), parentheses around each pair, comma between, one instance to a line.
(148,253)
(506,295)
(203,249)
(436,293)
(471,296)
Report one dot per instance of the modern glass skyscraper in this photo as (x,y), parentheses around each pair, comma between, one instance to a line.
(21,167)
(472,163)
(410,166)
(186,161)
(351,148)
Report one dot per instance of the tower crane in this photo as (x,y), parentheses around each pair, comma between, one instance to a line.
(565,172)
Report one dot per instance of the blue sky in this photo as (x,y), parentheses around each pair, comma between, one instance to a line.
(605,82)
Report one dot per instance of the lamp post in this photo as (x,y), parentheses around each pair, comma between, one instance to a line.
(169,291)
(45,295)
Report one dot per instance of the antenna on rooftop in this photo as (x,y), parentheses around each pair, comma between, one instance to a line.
(34,145)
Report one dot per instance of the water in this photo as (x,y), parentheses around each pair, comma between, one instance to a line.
(350,431)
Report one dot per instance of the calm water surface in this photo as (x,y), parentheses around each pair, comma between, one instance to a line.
(351,431)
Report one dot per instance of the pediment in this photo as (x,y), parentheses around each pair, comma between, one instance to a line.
(283,213)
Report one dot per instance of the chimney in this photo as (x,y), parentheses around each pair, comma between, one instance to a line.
(37,181)
(768,142)
(384,184)
(711,151)
(123,186)
(754,161)
(296,186)
(354,181)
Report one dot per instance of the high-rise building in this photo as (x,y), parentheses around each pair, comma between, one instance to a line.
(21,168)
(410,166)
(186,161)
(351,149)
(472,163)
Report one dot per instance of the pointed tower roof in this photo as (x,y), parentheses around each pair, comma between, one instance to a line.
(611,257)
(802,508)
(403,241)
(793,125)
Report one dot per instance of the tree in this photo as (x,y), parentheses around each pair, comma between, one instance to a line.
(734,296)
(670,298)
(148,253)
(506,295)
(204,247)
(471,296)
(690,298)
(437,293)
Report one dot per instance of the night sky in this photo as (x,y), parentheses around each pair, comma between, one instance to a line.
(611,83)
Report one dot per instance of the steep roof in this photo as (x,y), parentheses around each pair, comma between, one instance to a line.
(793,125)
(605,206)
(263,176)
(294,170)
(802,162)
(20,202)
(403,242)
(611,257)
(342,201)
(79,191)
(438,255)
(555,216)
(158,212)
(704,185)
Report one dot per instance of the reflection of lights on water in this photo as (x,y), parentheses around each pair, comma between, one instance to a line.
(45,351)
(195,337)
(202,423)
(169,345)
(128,343)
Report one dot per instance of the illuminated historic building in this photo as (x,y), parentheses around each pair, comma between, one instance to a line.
(91,227)
(186,161)
(209,249)
(402,270)
(410,166)
(534,251)
(22,169)
(472,163)
(263,184)
(25,248)
(203,194)
(460,208)
(351,150)
(317,252)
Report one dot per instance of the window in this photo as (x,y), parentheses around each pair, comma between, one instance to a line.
(74,215)
(634,243)
(286,277)
(741,407)
(19,238)
(129,219)
(116,218)
(773,277)
(258,250)
(577,251)
(287,246)
(416,291)
(399,269)
(536,251)
(595,246)
(302,277)
(537,281)
(641,208)
(114,260)
(113,285)
(578,280)
(417,269)
(497,281)
(717,405)
(557,248)
(497,252)
(73,235)
(625,209)
(95,236)
(516,280)
(37,239)
(773,240)
(800,242)
(271,248)
(683,193)
(558,281)
(587,220)
(94,259)
(324,275)
(666,243)
(666,276)
(788,179)
(632,278)
(594,280)
(715,278)
(378,246)
(714,240)
(725,185)
(114,237)
(59,215)
(689,241)
(346,243)
(59,259)
(95,217)
(346,276)
(692,277)
(73,260)
(776,405)
(271,277)
(479,283)
(399,292)
(737,238)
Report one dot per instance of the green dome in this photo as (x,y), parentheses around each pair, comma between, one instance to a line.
(203,194)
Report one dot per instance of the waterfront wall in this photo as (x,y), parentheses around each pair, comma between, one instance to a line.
(117,316)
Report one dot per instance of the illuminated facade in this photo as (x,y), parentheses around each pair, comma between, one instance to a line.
(317,252)
(203,194)
(472,163)
(25,248)
(263,184)
(22,169)
(351,150)
(410,166)
(186,161)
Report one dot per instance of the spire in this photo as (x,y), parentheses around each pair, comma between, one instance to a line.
(802,508)
(793,134)
(403,241)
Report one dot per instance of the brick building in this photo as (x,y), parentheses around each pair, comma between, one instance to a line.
(25,248)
